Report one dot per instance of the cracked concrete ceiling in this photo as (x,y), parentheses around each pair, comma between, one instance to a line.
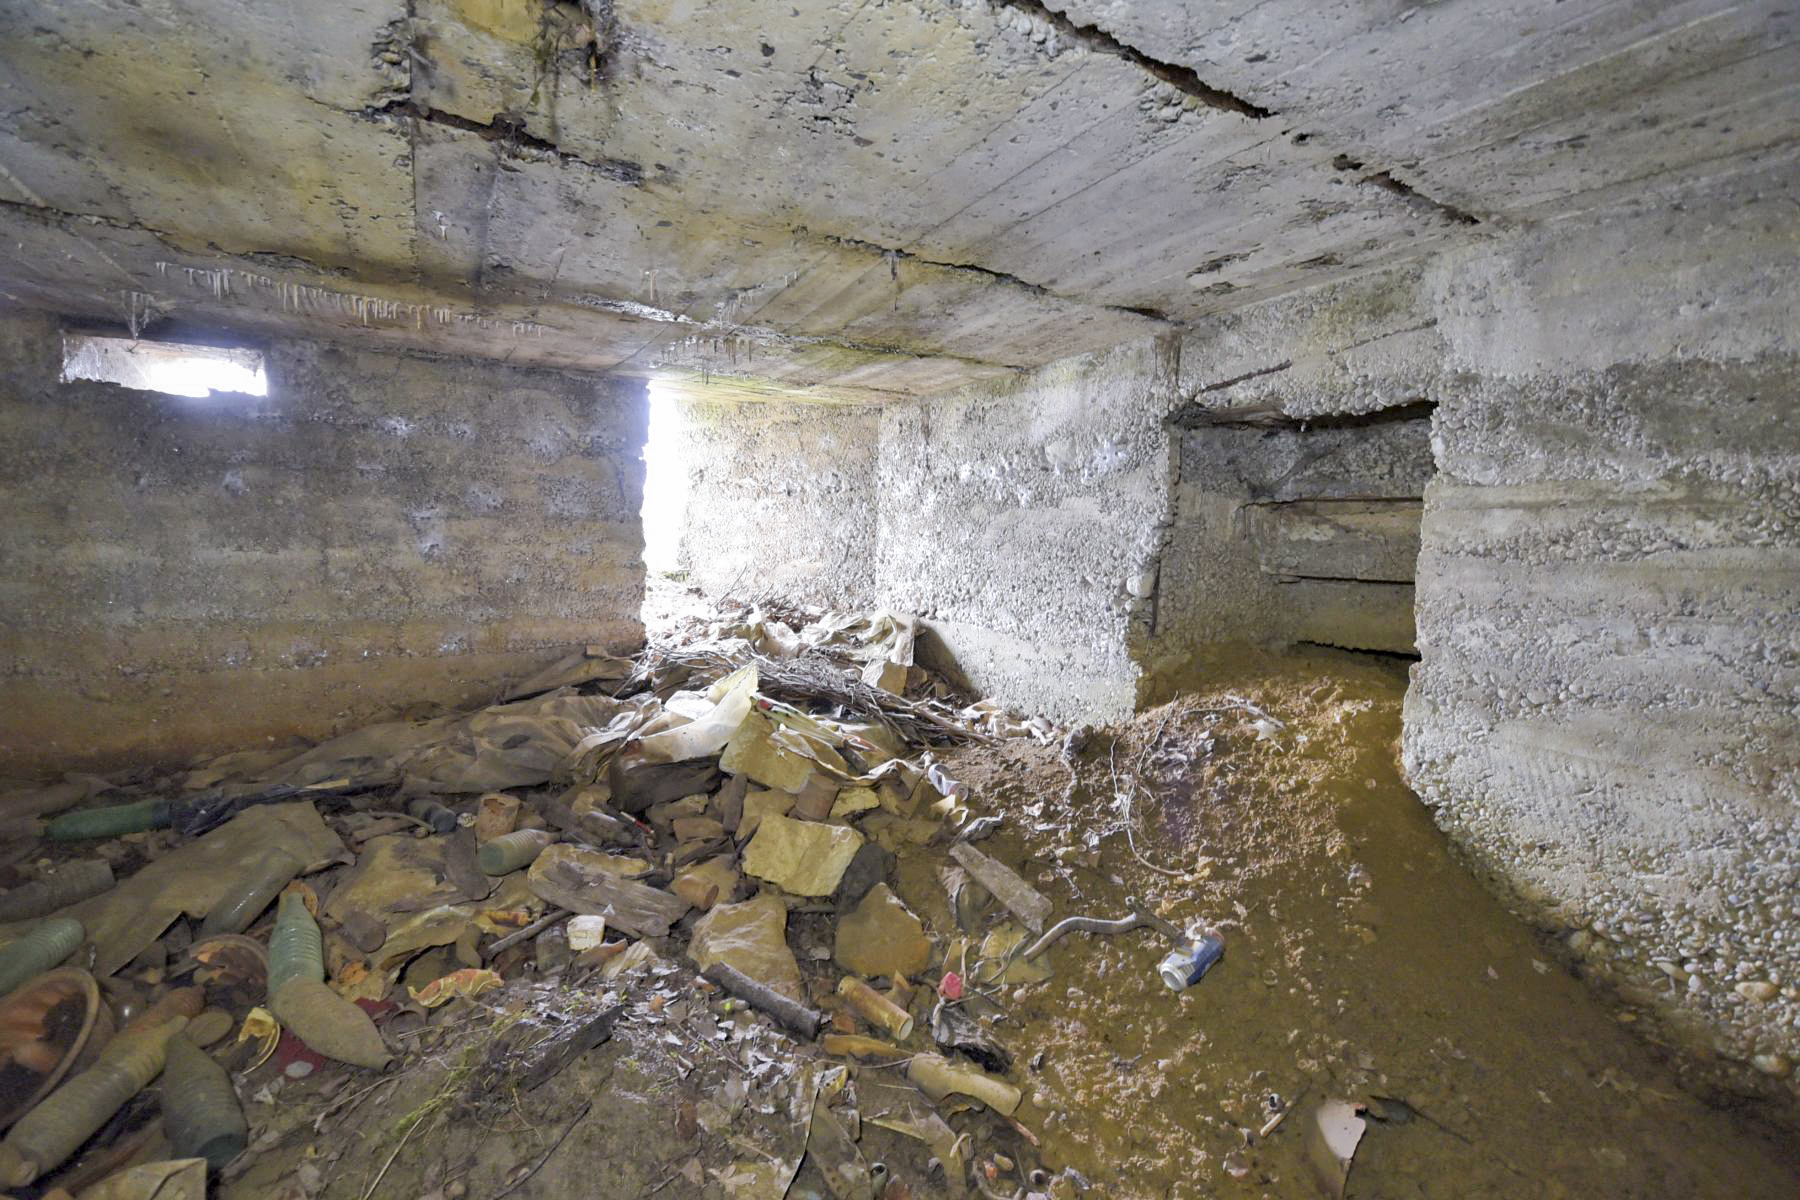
(850,200)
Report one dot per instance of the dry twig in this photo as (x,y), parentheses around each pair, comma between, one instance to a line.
(815,678)
(543,1158)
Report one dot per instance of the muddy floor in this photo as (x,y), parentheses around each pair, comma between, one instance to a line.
(1363,963)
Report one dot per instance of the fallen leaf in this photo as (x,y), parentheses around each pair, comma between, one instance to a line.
(260,1027)
(468,982)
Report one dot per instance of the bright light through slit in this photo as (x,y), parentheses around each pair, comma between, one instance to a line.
(199,376)
(665,484)
(173,368)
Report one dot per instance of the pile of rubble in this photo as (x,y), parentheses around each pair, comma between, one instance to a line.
(703,839)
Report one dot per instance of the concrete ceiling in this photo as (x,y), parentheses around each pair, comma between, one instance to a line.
(850,200)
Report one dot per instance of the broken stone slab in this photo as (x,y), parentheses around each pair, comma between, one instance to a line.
(998,947)
(585,810)
(586,932)
(665,814)
(462,867)
(803,858)
(622,865)
(853,800)
(816,798)
(728,801)
(578,879)
(874,744)
(888,676)
(1020,898)
(496,814)
(697,829)
(751,937)
(753,752)
(896,833)
(881,936)
(585,798)
(759,804)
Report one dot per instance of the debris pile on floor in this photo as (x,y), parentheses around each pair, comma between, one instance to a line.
(699,845)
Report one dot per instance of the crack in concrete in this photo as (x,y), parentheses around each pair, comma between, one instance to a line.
(1222,384)
(49,212)
(1274,416)
(1187,80)
(895,256)
(1387,182)
(508,132)
(1419,327)
(1183,79)
(700,332)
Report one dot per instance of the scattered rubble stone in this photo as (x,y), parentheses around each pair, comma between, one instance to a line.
(752,937)
(488,987)
(759,804)
(881,936)
(803,858)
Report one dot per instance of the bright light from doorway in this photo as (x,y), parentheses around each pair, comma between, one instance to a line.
(665,484)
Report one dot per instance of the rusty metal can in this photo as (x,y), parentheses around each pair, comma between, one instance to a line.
(1182,968)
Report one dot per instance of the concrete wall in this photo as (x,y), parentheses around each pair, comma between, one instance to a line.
(1303,428)
(380,529)
(1607,559)
(781,500)
(1607,709)
(1293,533)
(1606,714)
(1033,524)
(1021,520)
(1024,523)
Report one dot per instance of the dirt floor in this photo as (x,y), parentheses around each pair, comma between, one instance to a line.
(1368,984)
(1363,963)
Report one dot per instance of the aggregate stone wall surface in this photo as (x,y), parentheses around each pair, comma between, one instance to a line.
(1292,534)
(781,500)
(1024,523)
(1303,432)
(186,575)
(1607,708)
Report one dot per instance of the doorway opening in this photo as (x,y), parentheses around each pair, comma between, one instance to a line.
(667,490)
(666,485)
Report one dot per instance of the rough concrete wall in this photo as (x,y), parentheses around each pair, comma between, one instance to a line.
(781,499)
(380,529)
(1606,709)
(1304,450)
(1287,534)
(1024,523)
